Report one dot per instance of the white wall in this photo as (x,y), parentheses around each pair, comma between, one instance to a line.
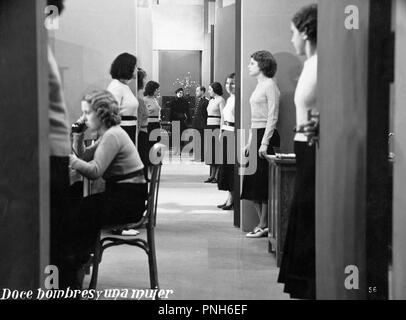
(144,40)
(224,48)
(91,34)
(179,27)
(227,3)
(181,2)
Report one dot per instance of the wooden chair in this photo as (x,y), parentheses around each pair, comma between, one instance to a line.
(148,221)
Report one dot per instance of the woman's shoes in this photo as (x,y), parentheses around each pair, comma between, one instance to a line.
(211,180)
(125,232)
(258,233)
(227,208)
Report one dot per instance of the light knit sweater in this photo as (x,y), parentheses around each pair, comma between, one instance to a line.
(114,154)
(305,95)
(265,108)
(126,99)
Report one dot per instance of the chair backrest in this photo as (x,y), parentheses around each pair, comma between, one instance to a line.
(154,187)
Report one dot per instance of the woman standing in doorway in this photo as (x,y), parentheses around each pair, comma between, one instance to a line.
(264,117)
(151,95)
(123,72)
(298,268)
(214,111)
(226,171)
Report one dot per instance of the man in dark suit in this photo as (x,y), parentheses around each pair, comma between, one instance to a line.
(179,111)
(200,117)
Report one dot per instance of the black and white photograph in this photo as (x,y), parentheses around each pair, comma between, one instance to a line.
(202,154)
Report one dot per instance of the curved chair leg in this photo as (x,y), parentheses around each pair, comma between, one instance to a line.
(96,262)
(153,270)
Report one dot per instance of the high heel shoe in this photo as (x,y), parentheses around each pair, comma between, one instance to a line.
(210,180)
(230,207)
(221,206)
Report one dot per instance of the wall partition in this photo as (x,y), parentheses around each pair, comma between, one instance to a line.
(399,187)
(24,148)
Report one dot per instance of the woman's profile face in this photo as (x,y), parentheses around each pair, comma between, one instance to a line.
(253,68)
(230,86)
(91,119)
(157,93)
(211,92)
(297,40)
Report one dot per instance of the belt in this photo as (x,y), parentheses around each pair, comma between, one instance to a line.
(153,117)
(128,118)
(230,124)
(134,174)
(218,117)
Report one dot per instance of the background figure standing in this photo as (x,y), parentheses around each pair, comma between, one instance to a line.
(298,268)
(264,117)
(123,72)
(214,111)
(200,118)
(227,137)
(179,111)
(143,144)
(151,95)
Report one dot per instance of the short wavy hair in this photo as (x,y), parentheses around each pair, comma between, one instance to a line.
(266,63)
(305,20)
(58,3)
(123,66)
(105,106)
(150,88)
(217,88)
(179,90)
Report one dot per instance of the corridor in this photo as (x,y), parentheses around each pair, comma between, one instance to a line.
(200,254)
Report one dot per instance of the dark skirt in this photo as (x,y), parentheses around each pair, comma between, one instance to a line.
(213,145)
(298,268)
(143,150)
(255,186)
(225,180)
(59,206)
(199,156)
(131,131)
(121,203)
(151,127)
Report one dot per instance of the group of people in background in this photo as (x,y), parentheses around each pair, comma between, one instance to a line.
(213,120)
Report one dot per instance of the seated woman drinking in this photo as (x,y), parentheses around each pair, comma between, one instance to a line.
(115,158)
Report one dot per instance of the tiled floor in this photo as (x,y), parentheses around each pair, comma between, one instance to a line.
(200,254)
